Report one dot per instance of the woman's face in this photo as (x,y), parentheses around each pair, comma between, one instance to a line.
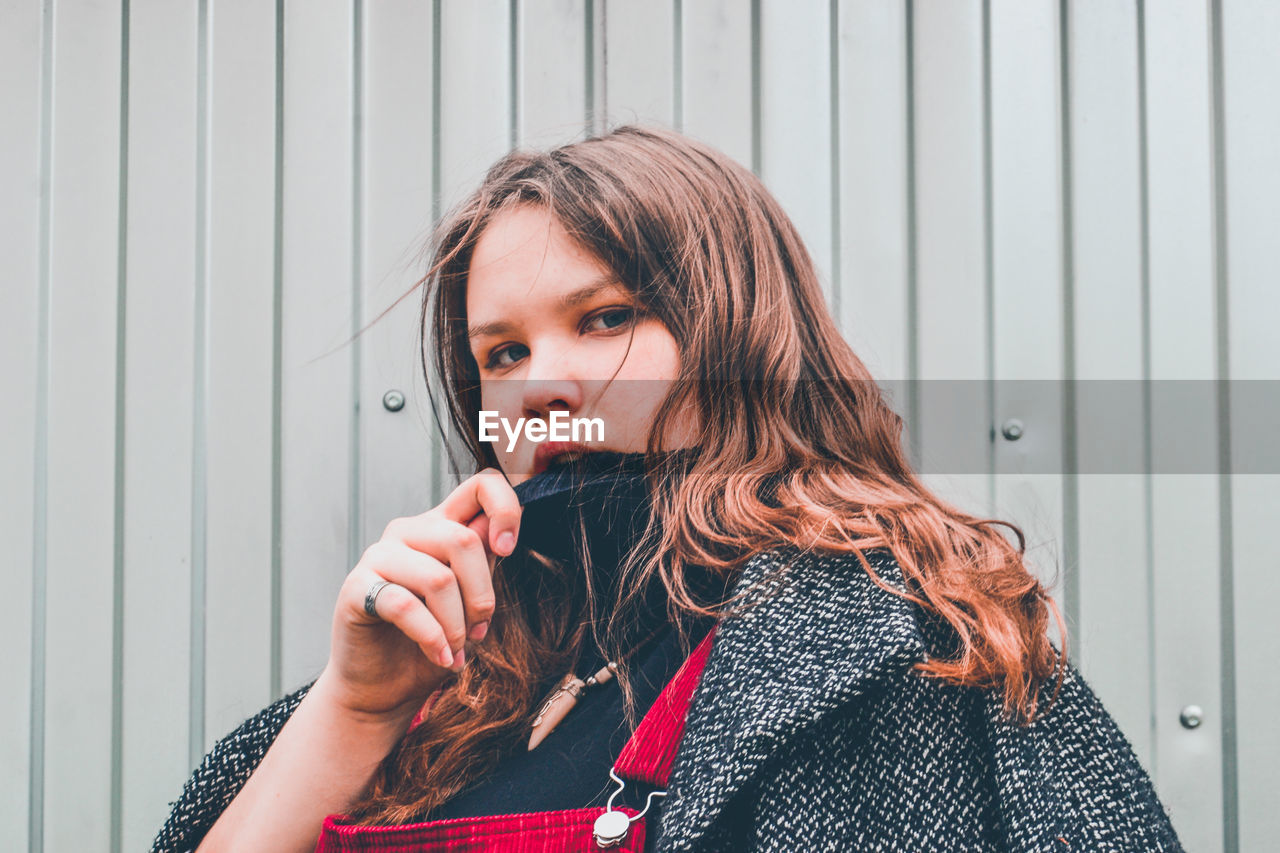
(549,327)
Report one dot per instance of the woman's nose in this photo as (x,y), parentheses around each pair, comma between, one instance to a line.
(553,379)
(541,395)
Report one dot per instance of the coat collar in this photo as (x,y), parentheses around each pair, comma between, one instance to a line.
(820,636)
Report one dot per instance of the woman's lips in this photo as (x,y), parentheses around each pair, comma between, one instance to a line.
(549,450)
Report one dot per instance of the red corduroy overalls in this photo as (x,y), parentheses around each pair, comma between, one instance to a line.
(647,757)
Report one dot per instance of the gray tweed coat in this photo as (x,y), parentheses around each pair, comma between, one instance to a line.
(809,731)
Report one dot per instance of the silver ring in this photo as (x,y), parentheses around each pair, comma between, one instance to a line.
(371,598)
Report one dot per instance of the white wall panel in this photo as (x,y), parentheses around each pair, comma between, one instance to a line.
(639,73)
(163,391)
(552,78)
(398,150)
(317,461)
(241,606)
(23,295)
(82,542)
(1110,637)
(874,188)
(475,93)
(717,97)
(795,121)
(1251,105)
(1182,321)
(952,410)
(476,110)
(1026,279)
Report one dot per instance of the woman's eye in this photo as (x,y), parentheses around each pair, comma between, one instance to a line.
(610,319)
(506,356)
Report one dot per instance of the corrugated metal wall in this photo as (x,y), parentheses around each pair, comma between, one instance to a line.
(203,200)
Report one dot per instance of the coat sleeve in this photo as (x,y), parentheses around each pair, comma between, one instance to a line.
(1071,781)
(221,775)
(899,771)
(926,766)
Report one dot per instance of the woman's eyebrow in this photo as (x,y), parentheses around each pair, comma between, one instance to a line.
(608,281)
(588,291)
(496,327)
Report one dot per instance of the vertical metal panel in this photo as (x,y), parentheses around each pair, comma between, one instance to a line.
(1181,317)
(239,611)
(83,515)
(551,80)
(950,420)
(716,92)
(1026,277)
(475,92)
(396,157)
(873,188)
(795,119)
(22,160)
(317,316)
(476,120)
(640,61)
(161,394)
(1114,603)
(1251,106)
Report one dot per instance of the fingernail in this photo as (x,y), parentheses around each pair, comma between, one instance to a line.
(446,657)
(459,660)
(506,541)
(478,630)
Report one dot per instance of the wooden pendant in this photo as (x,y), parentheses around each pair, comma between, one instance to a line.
(562,700)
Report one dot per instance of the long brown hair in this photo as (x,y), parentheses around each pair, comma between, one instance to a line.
(797,448)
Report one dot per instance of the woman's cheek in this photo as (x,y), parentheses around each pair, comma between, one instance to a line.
(502,396)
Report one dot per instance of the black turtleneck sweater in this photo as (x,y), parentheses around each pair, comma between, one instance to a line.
(569,769)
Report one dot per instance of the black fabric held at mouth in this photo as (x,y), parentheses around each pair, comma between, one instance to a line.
(570,769)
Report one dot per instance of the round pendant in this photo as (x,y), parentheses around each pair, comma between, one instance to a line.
(611,828)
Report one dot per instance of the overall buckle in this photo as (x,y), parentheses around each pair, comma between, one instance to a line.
(613,827)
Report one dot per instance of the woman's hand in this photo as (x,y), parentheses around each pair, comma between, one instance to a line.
(440,566)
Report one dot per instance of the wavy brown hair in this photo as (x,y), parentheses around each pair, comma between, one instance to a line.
(798,449)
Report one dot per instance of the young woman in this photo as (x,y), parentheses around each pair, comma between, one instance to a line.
(821,654)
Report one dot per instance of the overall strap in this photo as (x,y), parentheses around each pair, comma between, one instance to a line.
(651,751)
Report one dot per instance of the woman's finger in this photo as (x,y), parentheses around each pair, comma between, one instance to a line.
(400,607)
(462,550)
(430,580)
(490,493)
(480,524)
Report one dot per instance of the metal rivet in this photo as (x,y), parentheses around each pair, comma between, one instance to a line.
(393,400)
(1191,717)
(1012,429)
